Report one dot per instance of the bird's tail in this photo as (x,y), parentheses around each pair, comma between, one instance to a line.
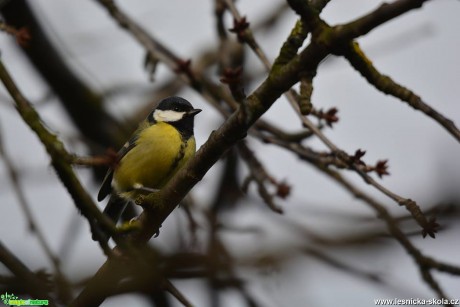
(114,209)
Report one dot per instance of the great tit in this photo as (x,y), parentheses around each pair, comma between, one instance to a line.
(159,147)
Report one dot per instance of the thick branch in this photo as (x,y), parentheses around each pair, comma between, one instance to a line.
(60,158)
(83,105)
(237,125)
(382,14)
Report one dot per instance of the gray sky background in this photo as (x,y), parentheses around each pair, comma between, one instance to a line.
(419,50)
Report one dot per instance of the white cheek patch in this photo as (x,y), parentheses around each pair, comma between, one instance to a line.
(167,115)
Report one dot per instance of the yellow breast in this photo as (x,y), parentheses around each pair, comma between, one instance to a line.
(159,153)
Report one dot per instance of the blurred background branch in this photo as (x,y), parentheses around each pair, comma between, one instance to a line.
(224,76)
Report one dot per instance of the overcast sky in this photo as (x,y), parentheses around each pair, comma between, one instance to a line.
(419,50)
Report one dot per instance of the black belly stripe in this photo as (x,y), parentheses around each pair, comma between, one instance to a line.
(178,158)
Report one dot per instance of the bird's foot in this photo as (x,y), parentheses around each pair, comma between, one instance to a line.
(130,227)
(140,188)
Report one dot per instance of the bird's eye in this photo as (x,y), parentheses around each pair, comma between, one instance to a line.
(176,109)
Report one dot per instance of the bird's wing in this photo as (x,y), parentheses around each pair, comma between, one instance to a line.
(106,187)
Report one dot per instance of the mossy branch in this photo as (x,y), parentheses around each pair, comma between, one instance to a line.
(325,40)
(60,158)
(385,84)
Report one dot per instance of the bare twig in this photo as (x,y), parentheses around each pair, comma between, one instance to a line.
(241,28)
(259,175)
(410,205)
(305,10)
(385,84)
(168,286)
(425,263)
(22,35)
(372,20)
(236,126)
(33,226)
(331,261)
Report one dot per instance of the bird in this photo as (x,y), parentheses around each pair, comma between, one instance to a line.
(160,146)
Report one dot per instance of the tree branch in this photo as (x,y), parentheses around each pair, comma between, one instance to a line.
(34,285)
(385,84)
(247,113)
(59,157)
(83,105)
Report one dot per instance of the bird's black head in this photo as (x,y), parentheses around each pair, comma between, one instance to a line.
(175,103)
(177,112)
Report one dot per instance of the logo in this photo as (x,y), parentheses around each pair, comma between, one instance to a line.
(10,299)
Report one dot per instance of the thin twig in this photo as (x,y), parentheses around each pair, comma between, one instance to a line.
(331,261)
(233,130)
(410,205)
(246,34)
(33,226)
(424,262)
(259,175)
(22,35)
(168,286)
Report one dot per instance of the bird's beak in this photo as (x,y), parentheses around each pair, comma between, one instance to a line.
(193,112)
